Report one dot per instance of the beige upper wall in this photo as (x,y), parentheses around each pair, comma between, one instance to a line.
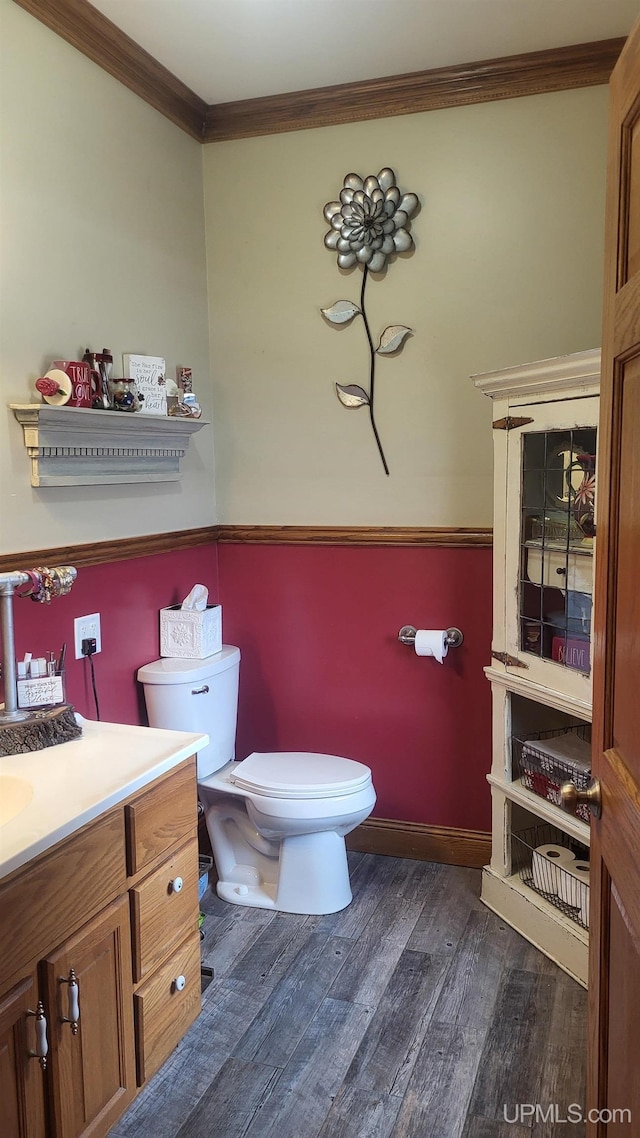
(102,244)
(507,268)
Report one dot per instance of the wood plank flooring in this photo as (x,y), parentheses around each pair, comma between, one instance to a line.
(413,1013)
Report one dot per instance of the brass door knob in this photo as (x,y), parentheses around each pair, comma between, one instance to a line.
(591,797)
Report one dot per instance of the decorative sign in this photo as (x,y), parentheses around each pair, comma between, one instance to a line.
(149,375)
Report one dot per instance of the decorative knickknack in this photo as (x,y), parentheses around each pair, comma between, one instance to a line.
(369,224)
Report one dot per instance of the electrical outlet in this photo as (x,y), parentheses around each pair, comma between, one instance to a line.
(84,628)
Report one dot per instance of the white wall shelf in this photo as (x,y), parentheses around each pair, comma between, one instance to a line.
(76,446)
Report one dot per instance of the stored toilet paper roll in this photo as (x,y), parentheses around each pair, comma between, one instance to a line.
(573,885)
(431,642)
(548,863)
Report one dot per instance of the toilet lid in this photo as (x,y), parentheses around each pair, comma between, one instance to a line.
(300,774)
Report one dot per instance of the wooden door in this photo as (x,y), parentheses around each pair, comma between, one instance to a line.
(21,1077)
(614,967)
(92,1067)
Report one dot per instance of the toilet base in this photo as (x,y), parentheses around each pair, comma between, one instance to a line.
(314,875)
(311,876)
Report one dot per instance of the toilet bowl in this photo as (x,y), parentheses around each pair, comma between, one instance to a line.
(277,821)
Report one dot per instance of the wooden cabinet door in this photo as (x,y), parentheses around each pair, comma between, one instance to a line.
(614,966)
(92,1065)
(21,1078)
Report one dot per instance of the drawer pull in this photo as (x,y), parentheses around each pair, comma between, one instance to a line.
(179,983)
(42,1045)
(200,691)
(74,1001)
(175,886)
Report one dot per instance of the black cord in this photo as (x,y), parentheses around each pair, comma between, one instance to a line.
(93,682)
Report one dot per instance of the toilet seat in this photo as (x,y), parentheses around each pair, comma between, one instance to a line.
(298,775)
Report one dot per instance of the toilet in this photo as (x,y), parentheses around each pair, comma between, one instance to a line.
(276,821)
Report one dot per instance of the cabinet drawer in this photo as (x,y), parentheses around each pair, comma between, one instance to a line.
(162,915)
(163,1012)
(559,569)
(43,904)
(162,817)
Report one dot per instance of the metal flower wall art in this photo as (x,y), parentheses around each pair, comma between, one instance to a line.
(369,224)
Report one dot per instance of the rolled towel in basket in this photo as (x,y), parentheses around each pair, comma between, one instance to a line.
(573,885)
(548,863)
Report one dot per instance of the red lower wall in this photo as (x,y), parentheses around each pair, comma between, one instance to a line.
(128,595)
(322,669)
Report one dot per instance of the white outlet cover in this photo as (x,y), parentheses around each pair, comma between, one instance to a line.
(84,628)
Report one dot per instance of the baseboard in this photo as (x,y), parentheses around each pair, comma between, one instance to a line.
(422,843)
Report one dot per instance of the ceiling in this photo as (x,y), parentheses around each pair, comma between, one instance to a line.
(226,50)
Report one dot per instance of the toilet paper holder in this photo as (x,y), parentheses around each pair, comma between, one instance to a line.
(453,636)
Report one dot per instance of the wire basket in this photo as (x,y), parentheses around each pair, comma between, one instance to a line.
(544,857)
(544,774)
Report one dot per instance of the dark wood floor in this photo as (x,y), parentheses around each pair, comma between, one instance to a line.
(413,1013)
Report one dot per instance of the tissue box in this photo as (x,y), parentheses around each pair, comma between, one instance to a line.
(189,635)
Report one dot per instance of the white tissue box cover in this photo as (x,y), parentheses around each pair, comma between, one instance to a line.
(189,635)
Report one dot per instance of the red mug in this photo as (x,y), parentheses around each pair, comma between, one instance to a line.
(82,382)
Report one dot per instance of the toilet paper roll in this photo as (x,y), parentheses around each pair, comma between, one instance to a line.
(573,884)
(431,642)
(548,863)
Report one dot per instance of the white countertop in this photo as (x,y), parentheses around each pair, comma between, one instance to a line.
(75,782)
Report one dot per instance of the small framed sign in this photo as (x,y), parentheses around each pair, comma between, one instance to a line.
(149,375)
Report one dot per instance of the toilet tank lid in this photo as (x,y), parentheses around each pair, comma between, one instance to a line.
(170,670)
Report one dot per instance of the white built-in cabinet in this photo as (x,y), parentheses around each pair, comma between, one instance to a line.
(545,418)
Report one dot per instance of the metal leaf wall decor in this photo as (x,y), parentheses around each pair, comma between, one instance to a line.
(369,224)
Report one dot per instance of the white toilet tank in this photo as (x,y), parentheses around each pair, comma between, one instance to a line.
(199,696)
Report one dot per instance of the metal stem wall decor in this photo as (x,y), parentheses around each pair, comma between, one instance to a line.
(369,224)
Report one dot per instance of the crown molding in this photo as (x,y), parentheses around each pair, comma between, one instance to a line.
(533,73)
(578,372)
(86,29)
(537,72)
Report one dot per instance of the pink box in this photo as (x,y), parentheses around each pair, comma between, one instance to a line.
(573,653)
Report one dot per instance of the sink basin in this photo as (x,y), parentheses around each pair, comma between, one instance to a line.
(15,794)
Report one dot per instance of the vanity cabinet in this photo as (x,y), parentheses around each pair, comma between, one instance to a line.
(100,934)
(545,418)
(92,1071)
(21,1081)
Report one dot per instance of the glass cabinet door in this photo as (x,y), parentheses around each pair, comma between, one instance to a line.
(551,469)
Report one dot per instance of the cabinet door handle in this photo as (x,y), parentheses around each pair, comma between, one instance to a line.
(74,1001)
(179,983)
(42,1046)
(175,886)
